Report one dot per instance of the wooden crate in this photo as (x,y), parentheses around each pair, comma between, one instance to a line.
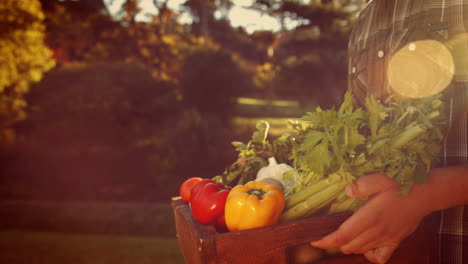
(200,244)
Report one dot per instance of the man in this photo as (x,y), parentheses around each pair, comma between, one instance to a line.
(391,47)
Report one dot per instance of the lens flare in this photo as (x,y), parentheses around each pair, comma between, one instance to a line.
(458,45)
(421,68)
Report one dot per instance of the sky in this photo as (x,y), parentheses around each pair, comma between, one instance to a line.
(239,15)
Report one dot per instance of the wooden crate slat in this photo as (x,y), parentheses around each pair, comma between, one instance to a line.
(272,241)
(196,240)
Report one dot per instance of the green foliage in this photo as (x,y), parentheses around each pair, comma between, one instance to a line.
(333,137)
(403,143)
(162,54)
(310,79)
(23,59)
(58,248)
(201,145)
(102,123)
(400,139)
(80,31)
(253,155)
(81,105)
(310,60)
(211,80)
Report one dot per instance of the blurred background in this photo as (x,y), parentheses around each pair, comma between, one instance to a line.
(107,106)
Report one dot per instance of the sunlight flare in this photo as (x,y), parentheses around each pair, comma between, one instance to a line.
(421,68)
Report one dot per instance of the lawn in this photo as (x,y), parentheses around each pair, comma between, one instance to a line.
(78,232)
(253,107)
(20,247)
(248,111)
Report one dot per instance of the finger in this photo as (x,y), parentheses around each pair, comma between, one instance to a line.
(384,253)
(362,243)
(370,184)
(333,240)
(365,247)
(351,228)
(370,255)
(381,254)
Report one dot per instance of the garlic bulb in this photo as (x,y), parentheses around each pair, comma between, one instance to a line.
(276,171)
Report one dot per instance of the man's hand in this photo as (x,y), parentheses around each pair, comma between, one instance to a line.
(378,227)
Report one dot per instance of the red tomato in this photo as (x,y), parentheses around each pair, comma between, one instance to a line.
(186,188)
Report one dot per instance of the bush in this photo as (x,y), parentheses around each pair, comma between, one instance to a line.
(98,104)
(311,80)
(98,131)
(189,145)
(211,80)
(202,145)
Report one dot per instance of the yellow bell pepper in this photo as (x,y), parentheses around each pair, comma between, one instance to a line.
(255,204)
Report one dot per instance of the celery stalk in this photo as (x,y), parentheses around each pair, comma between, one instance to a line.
(377,145)
(310,190)
(433,115)
(347,205)
(314,202)
(412,131)
(407,135)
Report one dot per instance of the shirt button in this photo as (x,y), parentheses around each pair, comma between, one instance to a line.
(380,54)
(353,70)
(412,47)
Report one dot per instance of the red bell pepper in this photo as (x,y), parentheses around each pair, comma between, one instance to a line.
(207,199)
(198,186)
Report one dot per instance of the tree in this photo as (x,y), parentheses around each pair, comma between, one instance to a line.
(276,9)
(23,59)
(164,17)
(90,34)
(82,30)
(202,12)
(310,60)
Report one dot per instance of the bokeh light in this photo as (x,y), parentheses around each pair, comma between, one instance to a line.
(421,68)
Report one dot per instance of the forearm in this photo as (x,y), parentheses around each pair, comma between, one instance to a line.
(447,187)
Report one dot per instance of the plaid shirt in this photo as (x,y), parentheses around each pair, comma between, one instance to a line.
(384,27)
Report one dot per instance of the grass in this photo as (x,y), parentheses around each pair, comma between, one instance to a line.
(252,107)
(249,111)
(87,232)
(19,247)
(256,101)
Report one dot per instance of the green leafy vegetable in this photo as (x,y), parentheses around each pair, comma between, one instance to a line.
(400,139)
(330,148)
(254,155)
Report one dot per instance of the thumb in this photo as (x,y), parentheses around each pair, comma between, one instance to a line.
(380,255)
(370,184)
